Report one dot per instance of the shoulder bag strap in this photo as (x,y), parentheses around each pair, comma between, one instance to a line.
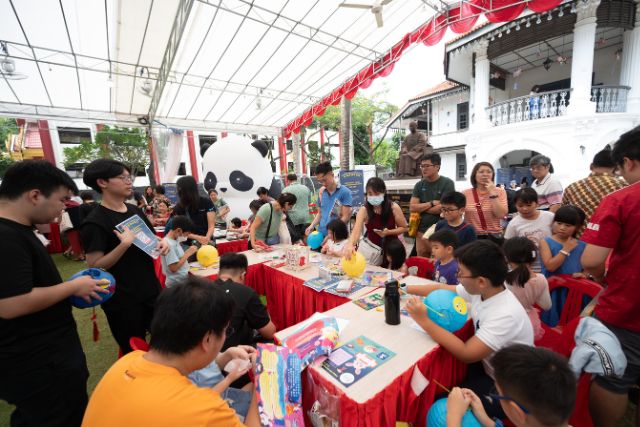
(269,224)
(476,199)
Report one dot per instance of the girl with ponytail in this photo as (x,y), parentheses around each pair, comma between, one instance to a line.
(528,286)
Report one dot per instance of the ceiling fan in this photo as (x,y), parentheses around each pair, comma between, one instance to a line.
(8,65)
(376,8)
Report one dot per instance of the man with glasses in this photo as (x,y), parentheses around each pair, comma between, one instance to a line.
(334,200)
(548,188)
(413,147)
(589,192)
(425,199)
(130,309)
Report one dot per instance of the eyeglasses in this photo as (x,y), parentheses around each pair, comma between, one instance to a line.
(426,165)
(447,210)
(125,178)
(491,397)
(538,167)
(458,272)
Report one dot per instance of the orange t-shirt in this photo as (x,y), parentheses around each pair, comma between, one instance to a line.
(136,392)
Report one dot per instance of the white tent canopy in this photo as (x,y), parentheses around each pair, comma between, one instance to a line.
(234,65)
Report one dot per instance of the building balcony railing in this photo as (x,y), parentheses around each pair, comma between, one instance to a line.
(610,99)
(531,107)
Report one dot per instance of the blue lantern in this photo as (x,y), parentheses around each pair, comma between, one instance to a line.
(446,309)
(97,274)
(437,416)
(315,240)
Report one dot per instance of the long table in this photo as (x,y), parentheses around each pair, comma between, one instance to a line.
(400,390)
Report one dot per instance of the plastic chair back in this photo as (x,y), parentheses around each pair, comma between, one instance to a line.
(425,266)
(569,297)
(138,344)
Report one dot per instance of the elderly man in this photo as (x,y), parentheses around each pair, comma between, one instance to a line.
(589,192)
(413,147)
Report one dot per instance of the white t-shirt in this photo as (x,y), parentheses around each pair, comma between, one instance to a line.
(533,229)
(335,246)
(498,321)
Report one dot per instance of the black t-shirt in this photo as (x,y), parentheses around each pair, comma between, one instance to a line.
(34,338)
(248,314)
(198,215)
(134,272)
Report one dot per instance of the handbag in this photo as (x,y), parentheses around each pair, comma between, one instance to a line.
(293,232)
(65,222)
(371,252)
(497,238)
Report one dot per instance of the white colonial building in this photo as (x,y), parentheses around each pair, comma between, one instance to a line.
(564,84)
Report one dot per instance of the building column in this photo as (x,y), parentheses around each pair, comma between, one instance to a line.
(295,152)
(45,140)
(303,156)
(629,75)
(481,85)
(346,155)
(282,154)
(584,38)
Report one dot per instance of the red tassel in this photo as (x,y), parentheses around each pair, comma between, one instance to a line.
(96,331)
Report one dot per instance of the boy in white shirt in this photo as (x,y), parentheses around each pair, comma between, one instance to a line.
(532,223)
(174,263)
(498,317)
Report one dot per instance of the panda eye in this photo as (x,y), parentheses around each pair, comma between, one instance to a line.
(240,181)
(210,181)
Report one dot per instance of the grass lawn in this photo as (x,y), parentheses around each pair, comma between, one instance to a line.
(102,354)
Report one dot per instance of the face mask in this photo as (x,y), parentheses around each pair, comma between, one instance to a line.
(181,239)
(375,200)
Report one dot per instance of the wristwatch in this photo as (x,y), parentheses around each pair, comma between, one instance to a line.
(431,204)
(565,253)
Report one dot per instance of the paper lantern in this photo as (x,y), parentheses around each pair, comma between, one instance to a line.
(446,309)
(109,283)
(437,416)
(355,266)
(315,240)
(207,255)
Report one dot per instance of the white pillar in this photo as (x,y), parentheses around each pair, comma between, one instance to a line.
(295,154)
(481,85)
(584,37)
(58,151)
(629,75)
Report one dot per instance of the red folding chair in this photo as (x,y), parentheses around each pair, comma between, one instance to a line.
(138,344)
(425,266)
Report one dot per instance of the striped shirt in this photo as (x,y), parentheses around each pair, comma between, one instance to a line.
(549,192)
(471,212)
(589,192)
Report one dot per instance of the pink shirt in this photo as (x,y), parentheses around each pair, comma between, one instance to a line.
(535,291)
(471,212)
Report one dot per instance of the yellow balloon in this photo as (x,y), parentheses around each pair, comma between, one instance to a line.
(207,255)
(355,266)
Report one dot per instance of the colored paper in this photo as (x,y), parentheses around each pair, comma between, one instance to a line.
(356,359)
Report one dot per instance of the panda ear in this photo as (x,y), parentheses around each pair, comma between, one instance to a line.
(261,147)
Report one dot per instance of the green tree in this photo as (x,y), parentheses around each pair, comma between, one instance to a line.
(7,127)
(386,154)
(127,145)
(368,115)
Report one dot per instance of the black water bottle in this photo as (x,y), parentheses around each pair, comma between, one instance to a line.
(392,303)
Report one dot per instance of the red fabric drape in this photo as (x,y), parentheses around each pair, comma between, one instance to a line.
(438,28)
(290,302)
(462,18)
(397,401)
(501,10)
(55,247)
(543,5)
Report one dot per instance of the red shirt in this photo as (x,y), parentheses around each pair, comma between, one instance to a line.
(614,225)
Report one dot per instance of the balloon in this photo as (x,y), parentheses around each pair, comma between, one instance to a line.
(355,266)
(207,255)
(315,240)
(446,309)
(437,416)
(96,274)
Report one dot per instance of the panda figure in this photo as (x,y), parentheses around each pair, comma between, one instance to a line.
(237,167)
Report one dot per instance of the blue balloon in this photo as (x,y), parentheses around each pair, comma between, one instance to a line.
(446,309)
(315,239)
(96,274)
(437,416)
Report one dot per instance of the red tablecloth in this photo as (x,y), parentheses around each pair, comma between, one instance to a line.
(232,246)
(397,402)
(290,302)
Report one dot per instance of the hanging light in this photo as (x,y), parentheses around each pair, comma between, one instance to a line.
(493,37)
(538,21)
(547,64)
(528,24)
(561,13)
(573,8)
(500,34)
(508,30)
(549,16)
(518,26)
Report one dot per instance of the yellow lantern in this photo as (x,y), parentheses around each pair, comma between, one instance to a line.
(207,255)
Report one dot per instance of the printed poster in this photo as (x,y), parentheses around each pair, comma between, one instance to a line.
(145,238)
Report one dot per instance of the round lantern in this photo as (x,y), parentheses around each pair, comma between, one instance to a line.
(207,255)
(355,266)
(107,281)
(446,309)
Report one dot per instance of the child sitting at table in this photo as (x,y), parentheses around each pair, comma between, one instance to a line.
(174,262)
(534,386)
(396,255)
(498,317)
(235,226)
(529,287)
(338,235)
(561,252)
(443,243)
